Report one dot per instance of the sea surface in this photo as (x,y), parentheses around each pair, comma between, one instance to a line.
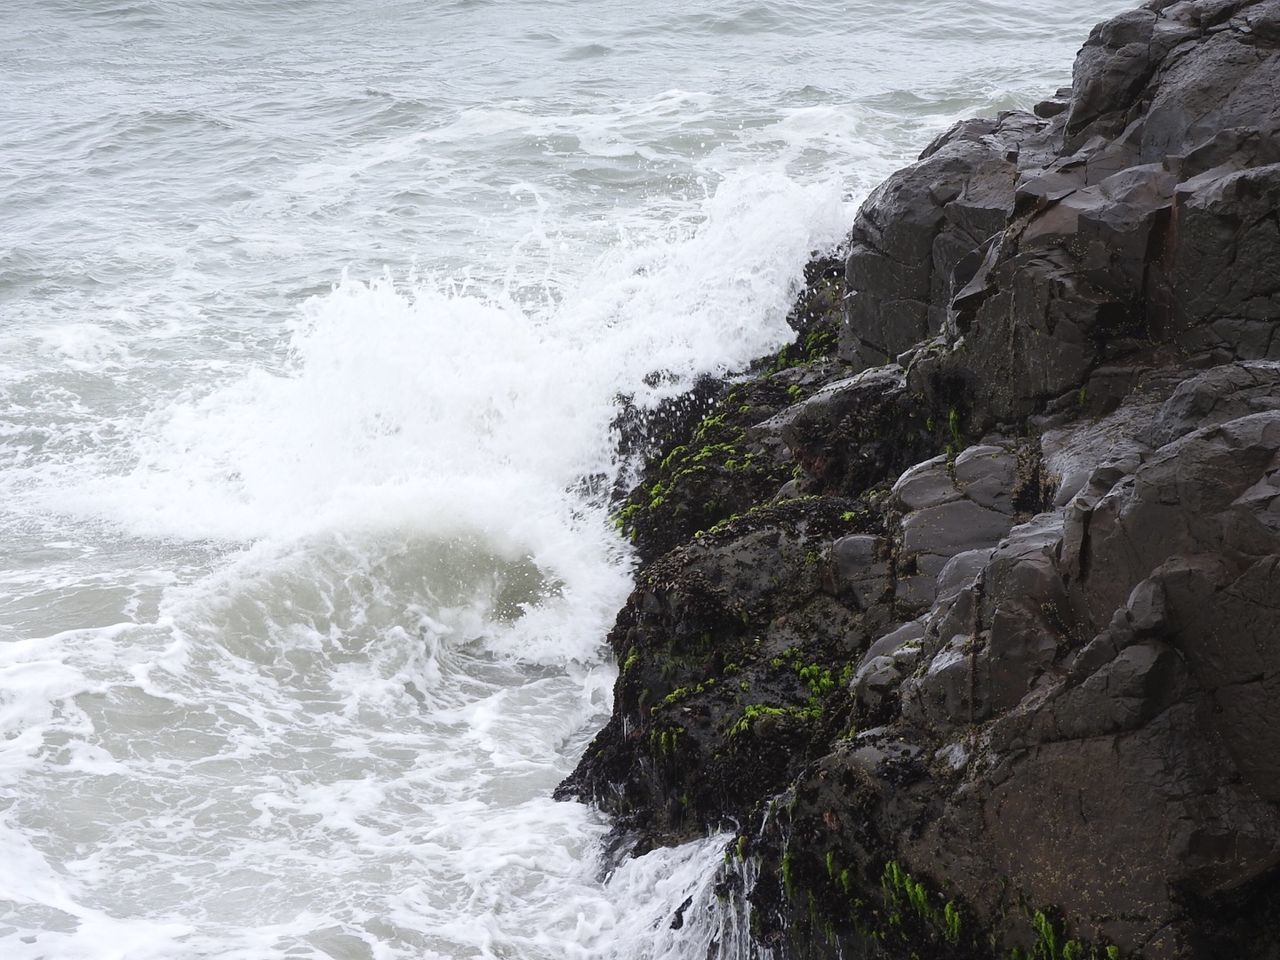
(313,320)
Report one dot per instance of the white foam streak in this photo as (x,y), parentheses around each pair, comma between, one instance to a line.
(430,408)
(397,654)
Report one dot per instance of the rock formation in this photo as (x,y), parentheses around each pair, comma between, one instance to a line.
(964,611)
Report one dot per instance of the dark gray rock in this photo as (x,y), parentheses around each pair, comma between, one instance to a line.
(861,568)
(1215,396)
(1099,718)
(732,649)
(1140,219)
(1029,682)
(949,509)
(1225,261)
(952,528)
(961,571)
(988,476)
(893,641)
(853,432)
(927,484)
(913,233)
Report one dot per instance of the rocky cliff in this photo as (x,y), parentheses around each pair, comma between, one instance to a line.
(964,610)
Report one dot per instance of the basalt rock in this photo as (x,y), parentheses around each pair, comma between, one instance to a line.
(980,655)
(1080,742)
(734,653)
(703,463)
(924,223)
(853,432)
(1138,223)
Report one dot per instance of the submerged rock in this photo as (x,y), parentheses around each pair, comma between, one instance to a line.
(980,653)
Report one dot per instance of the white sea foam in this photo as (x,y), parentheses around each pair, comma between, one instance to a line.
(384,682)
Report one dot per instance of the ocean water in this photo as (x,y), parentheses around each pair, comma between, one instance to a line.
(313,317)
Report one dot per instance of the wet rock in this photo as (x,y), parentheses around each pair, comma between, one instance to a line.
(950,508)
(999,668)
(1224,260)
(988,475)
(734,651)
(1215,396)
(927,484)
(1136,219)
(1097,726)
(716,466)
(862,569)
(852,433)
(876,680)
(961,571)
(951,528)
(909,634)
(913,233)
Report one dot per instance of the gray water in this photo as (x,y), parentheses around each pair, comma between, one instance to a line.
(312,320)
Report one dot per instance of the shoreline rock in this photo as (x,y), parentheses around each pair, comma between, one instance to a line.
(964,611)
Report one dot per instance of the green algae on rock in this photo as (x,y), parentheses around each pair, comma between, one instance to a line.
(970,632)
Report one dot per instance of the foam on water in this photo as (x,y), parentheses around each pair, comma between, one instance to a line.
(340,740)
(304,574)
(315,752)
